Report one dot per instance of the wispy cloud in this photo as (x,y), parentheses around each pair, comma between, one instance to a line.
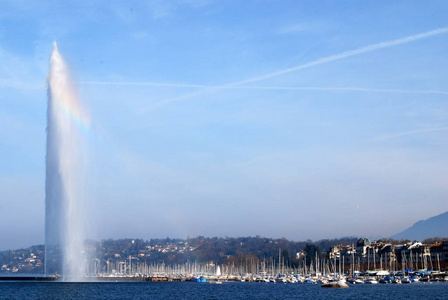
(22,84)
(18,72)
(159,9)
(291,29)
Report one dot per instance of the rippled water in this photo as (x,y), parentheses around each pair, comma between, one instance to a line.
(227,290)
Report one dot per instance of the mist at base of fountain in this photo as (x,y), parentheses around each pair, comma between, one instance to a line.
(64,198)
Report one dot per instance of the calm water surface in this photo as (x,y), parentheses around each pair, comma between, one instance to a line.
(227,290)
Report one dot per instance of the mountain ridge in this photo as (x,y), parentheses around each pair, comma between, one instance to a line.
(436,226)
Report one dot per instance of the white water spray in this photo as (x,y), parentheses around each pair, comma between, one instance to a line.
(64,232)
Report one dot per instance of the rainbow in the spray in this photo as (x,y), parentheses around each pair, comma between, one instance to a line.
(65,93)
(64,197)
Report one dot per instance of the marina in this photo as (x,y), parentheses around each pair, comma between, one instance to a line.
(360,278)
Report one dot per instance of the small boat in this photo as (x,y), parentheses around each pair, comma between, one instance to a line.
(405,280)
(396,280)
(370,280)
(386,279)
(354,280)
(351,280)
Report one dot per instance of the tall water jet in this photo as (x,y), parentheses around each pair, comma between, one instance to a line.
(64,224)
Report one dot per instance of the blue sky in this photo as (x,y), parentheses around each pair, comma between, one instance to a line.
(296,119)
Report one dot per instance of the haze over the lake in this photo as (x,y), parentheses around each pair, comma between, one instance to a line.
(296,119)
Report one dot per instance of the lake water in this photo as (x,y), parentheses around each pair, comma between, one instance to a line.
(227,290)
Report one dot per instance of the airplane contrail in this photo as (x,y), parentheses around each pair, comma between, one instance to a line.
(251,87)
(317,62)
(406,133)
(320,61)
(349,53)
(137,83)
(350,89)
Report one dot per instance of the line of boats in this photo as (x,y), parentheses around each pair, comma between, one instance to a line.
(379,277)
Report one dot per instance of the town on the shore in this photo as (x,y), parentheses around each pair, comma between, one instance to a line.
(353,260)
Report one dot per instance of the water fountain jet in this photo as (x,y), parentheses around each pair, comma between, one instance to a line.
(64,224)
